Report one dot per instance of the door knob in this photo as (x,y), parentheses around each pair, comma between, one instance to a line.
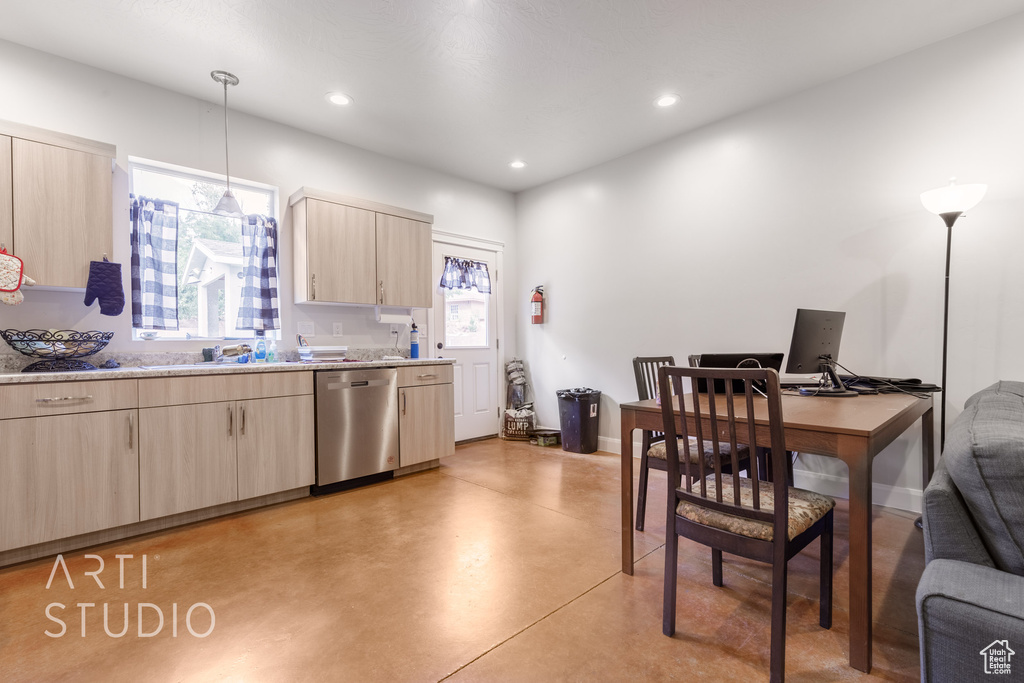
(440,345)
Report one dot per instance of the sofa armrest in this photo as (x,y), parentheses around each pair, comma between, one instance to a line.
(962,609)
(949,532)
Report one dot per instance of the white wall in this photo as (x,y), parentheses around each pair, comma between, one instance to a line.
(146,121)
(711,241)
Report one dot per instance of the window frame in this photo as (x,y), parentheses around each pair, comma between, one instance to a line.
(195,174)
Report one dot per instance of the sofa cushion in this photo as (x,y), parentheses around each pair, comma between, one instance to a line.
(1000,387)
(985,457)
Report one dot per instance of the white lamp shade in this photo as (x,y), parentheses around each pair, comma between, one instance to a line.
(953,198)
(228,205)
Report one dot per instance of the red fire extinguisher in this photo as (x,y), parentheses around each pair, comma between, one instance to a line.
(537,305)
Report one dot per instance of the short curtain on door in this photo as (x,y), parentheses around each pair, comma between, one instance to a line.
(465,274)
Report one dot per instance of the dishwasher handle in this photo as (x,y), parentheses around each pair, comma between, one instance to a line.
(359,384)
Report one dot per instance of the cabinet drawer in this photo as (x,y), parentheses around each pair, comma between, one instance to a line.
(61,398)
(418,375)
(171,391)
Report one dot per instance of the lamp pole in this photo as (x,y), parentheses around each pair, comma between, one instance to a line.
(949,203)
(950,218)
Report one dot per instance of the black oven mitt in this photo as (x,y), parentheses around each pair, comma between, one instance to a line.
(105,285)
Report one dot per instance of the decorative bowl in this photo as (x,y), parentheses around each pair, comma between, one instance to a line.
(57,348)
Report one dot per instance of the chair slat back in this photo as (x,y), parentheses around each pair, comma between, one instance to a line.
(720,418)
(645,370)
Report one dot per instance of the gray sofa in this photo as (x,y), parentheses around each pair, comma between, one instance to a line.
(970,601)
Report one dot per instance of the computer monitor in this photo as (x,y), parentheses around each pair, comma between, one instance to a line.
(816,336)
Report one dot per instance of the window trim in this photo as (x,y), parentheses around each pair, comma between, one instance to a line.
(187,173)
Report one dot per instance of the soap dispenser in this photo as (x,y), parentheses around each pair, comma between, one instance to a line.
(261,347)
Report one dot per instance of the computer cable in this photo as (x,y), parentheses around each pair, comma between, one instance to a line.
(890,387)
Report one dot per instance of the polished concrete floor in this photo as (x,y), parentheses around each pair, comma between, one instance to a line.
(502,565)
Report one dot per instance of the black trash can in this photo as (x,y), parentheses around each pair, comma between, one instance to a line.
(577,413)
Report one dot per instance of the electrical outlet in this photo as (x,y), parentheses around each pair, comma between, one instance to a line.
(306,328)
(337,330)
(394,330)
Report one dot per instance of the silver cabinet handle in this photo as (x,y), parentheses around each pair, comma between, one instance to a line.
(403,402)
(243,420)
(64,398)
(426,376)
(131,430)
(231,421)
(314,287)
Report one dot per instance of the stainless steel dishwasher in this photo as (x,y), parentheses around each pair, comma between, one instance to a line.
(356,423)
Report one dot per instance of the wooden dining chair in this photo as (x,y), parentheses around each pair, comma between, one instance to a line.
(645,370)
(694,361)
(652,444)
(750,517)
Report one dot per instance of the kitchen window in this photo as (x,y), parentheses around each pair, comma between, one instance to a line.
(209,251)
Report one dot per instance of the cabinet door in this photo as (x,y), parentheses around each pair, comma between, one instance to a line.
(426,423)
(340,249)
(66,475)
(186,458)
(6,196)
(275,445)
(63,212)
(403,261)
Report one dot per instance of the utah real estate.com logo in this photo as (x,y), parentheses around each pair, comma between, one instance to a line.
(997,657)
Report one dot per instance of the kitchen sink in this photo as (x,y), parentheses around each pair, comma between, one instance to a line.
(189,366)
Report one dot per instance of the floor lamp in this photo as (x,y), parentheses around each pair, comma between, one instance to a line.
(949,203)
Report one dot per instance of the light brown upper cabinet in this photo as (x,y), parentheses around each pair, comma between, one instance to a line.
(403,261)
(336,235)
(357,251)
(56,206)
(6,195)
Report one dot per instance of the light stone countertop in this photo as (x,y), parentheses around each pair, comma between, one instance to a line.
(208,369)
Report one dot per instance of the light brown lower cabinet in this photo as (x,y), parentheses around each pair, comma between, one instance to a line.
(65,475)
(197,456)
(275,445)
(426,423)
(187,458)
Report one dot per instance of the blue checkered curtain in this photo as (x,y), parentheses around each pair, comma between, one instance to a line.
(462,273)
(154,264)
(258,308)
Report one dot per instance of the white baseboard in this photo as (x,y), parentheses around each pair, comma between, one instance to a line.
(609,445)
(898,497)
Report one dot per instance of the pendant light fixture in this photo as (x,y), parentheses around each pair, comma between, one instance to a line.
(228,205)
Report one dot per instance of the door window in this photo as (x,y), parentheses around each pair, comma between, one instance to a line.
(466,319)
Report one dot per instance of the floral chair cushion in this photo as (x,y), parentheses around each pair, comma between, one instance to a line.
(659,451)
(805,508)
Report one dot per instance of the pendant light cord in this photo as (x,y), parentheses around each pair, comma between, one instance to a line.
(227,167)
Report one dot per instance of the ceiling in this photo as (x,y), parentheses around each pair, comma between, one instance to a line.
(465,86)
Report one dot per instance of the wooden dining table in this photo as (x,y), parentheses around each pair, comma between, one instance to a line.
(854,430)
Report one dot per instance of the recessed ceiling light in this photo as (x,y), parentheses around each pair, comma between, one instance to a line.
(339,98)
(667,100)
(518,163)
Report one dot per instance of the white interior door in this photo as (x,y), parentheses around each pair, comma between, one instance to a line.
(465,328)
